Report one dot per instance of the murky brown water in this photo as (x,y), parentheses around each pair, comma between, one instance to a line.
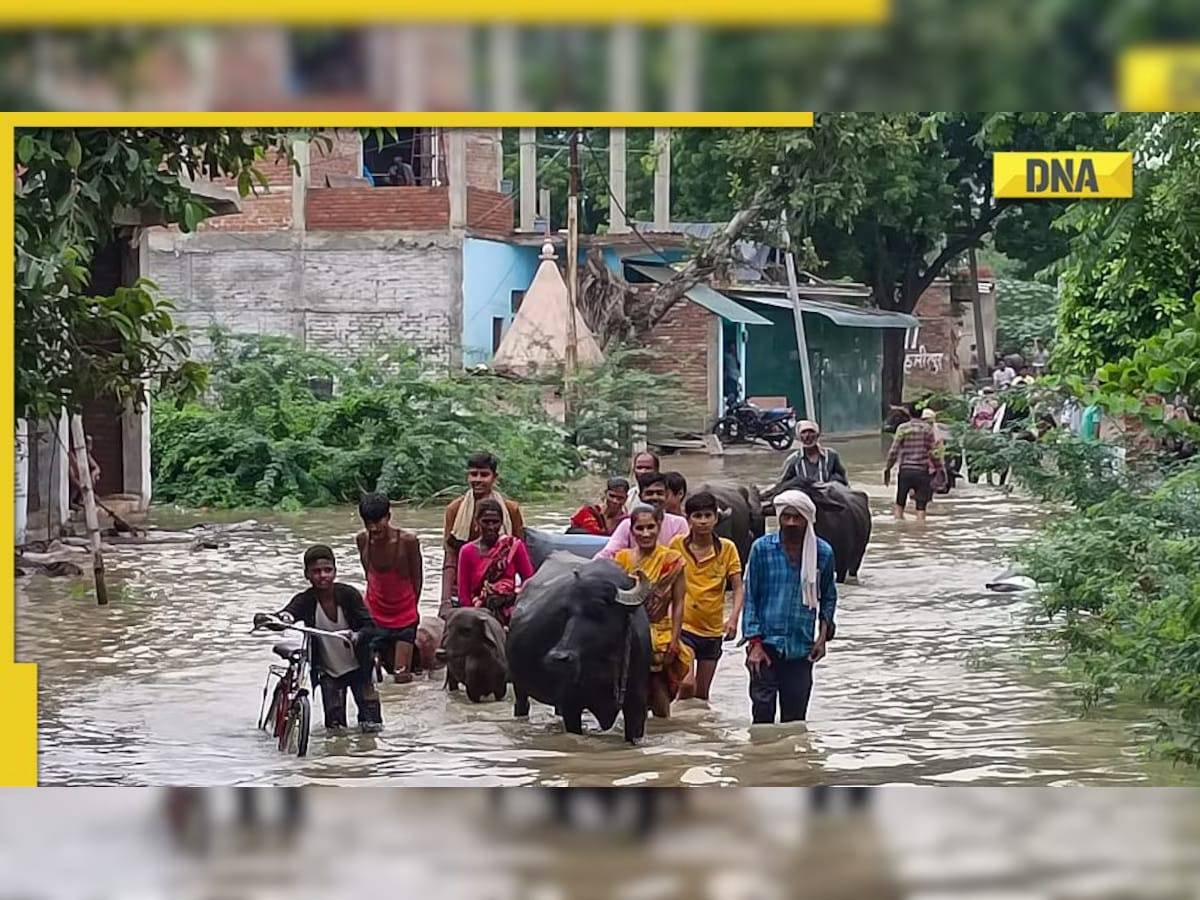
(928,681)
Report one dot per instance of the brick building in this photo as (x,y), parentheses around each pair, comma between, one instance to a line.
(340,256)
(939,354)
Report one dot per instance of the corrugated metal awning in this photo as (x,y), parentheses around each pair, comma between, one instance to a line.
(839,313)
(714,301)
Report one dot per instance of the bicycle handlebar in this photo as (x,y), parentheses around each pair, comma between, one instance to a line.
(304,629)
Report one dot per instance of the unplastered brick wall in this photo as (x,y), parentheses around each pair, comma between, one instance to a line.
(489,212)
(268,210)
(680,345)
(383,208)
(343,158)
(335,291)
(483,161)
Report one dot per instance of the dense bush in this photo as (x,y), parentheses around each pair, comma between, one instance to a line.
(267,435)
(1119,573)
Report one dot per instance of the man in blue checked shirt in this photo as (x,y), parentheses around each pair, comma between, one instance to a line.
(788,615)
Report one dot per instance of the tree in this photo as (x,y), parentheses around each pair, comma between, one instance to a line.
(893,200)
(1131,268)
(71,184)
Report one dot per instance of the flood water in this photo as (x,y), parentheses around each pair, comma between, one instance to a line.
(932,679)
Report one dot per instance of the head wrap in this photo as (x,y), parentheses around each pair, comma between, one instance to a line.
(802,503)
(808,425)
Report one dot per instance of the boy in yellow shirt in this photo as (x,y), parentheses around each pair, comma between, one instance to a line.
(709,563)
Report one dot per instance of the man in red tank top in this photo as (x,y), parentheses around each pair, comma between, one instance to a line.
(391,559)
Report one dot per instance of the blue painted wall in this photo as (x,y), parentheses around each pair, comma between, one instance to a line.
(492,270)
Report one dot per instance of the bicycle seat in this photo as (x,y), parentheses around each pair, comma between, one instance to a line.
(285,649)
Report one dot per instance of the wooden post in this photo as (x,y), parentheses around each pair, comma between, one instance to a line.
(981,356)
(810,411)
(84,468)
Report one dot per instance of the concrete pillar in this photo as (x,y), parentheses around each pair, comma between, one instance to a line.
(528,175)
(624,68)
(135,453)
(53,482)
(662,178)
(300,184)
(616,181)
(456,172)
(20,481)
(410,79)
(544,207)
(684,90)
(502,61)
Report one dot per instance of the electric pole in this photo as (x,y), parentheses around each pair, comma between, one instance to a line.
(573,256)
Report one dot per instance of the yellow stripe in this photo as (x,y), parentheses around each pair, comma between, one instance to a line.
(18,683)
(731,119)
(483,12)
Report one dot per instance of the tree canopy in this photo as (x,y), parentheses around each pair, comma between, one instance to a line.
(71,185)
(1132,263)
(893,200)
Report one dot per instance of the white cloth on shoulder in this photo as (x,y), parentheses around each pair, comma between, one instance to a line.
(802,503)
(466,515)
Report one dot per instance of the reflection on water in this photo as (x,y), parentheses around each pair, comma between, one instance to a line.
(756,844)
(926,682)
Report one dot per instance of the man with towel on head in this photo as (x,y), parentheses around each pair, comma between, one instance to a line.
(788,614)
(460,526)
(812,461)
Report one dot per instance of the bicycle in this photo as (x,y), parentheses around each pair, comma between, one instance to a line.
(288,718)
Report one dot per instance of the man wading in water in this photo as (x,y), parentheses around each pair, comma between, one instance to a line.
(914,448)
(812,461)
(391,559)
(791,597)
(462,525)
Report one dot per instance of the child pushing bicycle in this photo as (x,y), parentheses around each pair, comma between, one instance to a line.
(331,606)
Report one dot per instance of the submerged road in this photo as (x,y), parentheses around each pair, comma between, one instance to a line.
(932,679)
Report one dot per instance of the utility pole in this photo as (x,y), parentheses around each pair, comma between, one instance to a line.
(981,356)
(573,256)
(810,411)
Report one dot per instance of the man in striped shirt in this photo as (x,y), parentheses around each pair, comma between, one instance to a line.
(791,597)
(913,448)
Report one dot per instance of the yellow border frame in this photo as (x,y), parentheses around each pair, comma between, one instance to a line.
(479,12)
(18,681)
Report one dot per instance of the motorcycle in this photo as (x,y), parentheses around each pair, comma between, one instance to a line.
(744,422)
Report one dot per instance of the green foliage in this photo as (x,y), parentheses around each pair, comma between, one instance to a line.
(1025,312)
(1168,364)
(608,398)
(1131,266)
(71,185)
(1120,580)
(266,436)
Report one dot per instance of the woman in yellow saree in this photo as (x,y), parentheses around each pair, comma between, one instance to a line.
(671,660)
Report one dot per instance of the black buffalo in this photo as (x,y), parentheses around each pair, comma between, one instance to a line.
(843,519)
(580,640)
(741,515)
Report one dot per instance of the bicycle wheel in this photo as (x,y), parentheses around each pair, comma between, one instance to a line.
(295,731)
(270,716)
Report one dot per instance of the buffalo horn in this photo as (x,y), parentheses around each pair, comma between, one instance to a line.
(637,594)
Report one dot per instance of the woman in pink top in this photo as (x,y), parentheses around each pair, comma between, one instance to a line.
(652,490)
(488,568)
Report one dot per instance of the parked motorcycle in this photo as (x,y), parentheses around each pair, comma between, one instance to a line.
(744,422)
